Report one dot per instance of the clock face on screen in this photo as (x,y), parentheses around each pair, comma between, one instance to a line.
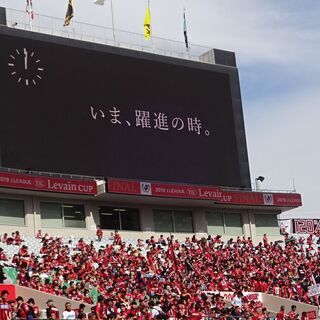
(25,67)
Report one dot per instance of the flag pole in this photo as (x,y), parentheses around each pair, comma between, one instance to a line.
(152,43)
(29,14)
(71,22)
(185,32)
(112,20)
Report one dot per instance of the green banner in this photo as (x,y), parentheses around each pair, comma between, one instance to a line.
(11,274)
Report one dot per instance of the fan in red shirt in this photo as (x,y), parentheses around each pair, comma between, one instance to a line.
(99,308)
(293,315)
(5,309)
(99,233)
(8,240)
(265,240)
(304,316)
(196,313)
(117,237)
(23,278)
(3,256)
(17,238)
(87,298)
(23,308)
(281,315)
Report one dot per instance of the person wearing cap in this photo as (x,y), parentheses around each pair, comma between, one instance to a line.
(51,310)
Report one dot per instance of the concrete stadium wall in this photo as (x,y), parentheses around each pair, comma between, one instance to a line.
(41,298)
(33,220)
(273,304)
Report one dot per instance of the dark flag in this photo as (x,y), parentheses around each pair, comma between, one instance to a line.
(69,14)
(185,29)
(29,9)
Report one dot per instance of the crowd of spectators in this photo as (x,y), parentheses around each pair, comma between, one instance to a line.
(18,309)
(161,278)
(15,238)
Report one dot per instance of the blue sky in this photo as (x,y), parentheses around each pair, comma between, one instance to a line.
(277,45)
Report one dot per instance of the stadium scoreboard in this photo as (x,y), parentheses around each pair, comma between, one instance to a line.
(81,108)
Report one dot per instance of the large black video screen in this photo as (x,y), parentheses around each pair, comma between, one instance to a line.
(94,111)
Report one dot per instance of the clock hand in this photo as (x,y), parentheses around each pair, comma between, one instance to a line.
(25,59)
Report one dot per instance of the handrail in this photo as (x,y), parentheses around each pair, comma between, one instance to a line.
(84,177)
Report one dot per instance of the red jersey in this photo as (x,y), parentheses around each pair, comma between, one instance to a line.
(99,310)
(5,310)
(117,238)
(281,315)
(88,300)
(196,315)
(23,279)
(292,315)
(3,256)
(23,310)
(99,233)
(36,312)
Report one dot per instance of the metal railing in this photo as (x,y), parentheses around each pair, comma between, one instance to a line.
(84,177)
(103,35)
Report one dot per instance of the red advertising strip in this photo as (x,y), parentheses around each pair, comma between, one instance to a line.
(123,186)
(216,194)
(287,198)
(306,225)
(24,181)
(182,191)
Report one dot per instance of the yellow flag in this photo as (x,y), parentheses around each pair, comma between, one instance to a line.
(147,24)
